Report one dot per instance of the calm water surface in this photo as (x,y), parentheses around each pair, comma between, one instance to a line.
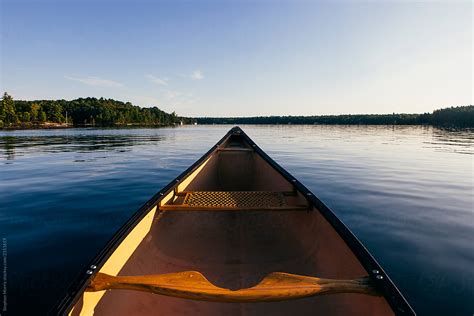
(406,192)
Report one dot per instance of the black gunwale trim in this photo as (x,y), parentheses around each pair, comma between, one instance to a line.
(391,293)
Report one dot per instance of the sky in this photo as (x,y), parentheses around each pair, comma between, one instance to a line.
(242,58)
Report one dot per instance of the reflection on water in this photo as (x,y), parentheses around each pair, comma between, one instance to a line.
(405,191)
(8,147)
(12,146)
(84,140)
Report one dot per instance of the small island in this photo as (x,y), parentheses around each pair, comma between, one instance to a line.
(101,112)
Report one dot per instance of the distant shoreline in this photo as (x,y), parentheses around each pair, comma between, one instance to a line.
(93,112)
(461,116)
(58,127)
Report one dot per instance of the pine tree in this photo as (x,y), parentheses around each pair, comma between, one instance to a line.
(42,116)
(2,114)
(8,114)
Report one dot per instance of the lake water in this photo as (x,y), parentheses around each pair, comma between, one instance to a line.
(405,191)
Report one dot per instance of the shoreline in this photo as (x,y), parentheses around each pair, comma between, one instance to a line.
(128,126)
(51,125)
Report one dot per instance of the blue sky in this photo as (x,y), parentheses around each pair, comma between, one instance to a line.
(242,58)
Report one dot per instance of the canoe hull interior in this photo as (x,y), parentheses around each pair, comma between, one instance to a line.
(234,247)
(236,250)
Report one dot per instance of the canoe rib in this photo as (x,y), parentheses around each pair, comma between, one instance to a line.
(277,286)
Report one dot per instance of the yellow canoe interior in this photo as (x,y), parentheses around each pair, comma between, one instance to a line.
(235,220)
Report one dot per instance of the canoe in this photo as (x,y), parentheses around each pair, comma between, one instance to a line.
(235,234)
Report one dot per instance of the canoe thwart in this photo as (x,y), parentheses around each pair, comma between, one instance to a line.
(277,286)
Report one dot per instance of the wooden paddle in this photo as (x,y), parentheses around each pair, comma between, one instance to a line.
(277,286)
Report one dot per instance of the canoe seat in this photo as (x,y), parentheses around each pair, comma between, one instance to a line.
(232,200)
(276,286)
(235,199)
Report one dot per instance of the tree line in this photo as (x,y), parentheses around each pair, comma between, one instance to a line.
(81,112)
(461,116)
(109,112)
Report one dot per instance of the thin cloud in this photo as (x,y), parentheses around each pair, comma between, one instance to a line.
(196,75)
(172,94)
(96,81)
(158,81)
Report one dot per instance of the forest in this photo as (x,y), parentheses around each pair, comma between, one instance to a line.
(461,116)
(81,112)
(109,112)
